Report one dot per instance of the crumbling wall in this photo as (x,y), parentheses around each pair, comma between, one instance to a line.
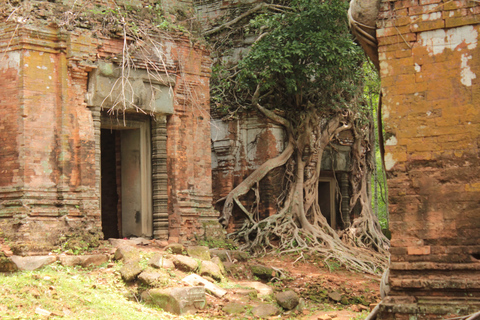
(430,66)
(240,146)
(49,135)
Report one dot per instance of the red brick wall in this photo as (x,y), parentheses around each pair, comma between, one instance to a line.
(430,71)
(49,181)
(11,172)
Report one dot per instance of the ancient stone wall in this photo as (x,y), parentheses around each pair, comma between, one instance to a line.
(430,66)
(239,147)
(50,133)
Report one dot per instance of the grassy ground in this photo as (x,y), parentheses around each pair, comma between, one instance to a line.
(72,293)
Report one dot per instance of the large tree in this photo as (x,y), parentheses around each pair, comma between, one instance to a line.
(303,72)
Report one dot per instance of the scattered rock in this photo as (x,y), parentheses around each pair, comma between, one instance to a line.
(263,290)
(210,269)
(195,280)
(230,255)
(185,263)
(222,254)
(355,308)
(220,265)
(324,317)
(262,272)
(7,265)
(154,279)
(161,243)
(239,255)
(265,310)
(177,300)
(159,261)
(199,252)
(140,241)
(84,261)
(175,248)
(32,262)
(335,296)
(301,305)
(234,308)
(130,271)
(126,253)
(287,299)
(245,292)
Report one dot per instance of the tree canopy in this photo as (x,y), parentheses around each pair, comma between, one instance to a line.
(306,55)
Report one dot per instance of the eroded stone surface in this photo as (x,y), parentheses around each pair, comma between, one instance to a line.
(199,252)
(210,269)
(185,263)
(265,310)
(83,260)
(32,262)
(130,271)
(177,300)
(263,290)
(287,299)
(159,261)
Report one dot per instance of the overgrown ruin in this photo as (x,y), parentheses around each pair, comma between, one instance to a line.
(68,127)
(70,96)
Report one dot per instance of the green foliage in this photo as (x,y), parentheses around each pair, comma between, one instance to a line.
(379,185)
(226,244)
(306,57)
(73,293)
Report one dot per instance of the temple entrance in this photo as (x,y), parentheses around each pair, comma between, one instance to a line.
(126,178)
(326,200)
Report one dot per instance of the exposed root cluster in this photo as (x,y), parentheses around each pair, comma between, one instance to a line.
(299,225)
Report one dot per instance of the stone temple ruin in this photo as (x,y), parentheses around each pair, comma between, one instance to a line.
(429,62)
(68,165)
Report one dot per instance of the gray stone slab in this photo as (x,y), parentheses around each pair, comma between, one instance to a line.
(32,262)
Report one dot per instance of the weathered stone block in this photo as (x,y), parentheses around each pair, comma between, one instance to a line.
(33,262)
(177,300)
(287,299)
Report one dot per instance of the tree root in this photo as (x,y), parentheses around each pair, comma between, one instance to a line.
(299,226)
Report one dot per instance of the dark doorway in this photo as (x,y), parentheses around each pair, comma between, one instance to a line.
(326,200)
(126,183)
(110,149)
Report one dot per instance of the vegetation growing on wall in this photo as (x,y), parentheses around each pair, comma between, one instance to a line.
(143,28)
(303,72)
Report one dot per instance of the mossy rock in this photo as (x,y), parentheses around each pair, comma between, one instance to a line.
(234,308)
(130,271)
(175,248)
(200,252)
(262,272)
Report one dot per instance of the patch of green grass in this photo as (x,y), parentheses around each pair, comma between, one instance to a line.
(72,293)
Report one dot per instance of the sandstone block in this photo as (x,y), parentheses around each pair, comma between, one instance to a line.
(234,308)
(263,290)
(210,269)
(175,248)
(33,262)
(262,272)
(130,271)
(287,299)
(185,263)
(265,310)
(159,261)
(177,300)
(200,252)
